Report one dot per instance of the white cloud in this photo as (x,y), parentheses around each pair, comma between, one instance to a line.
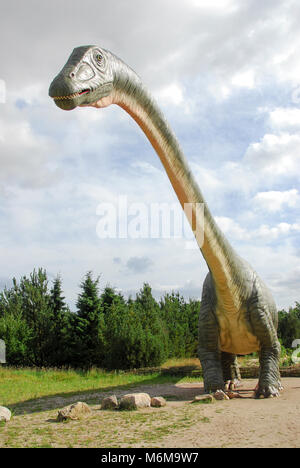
(217,6)
(276,265)
(206,61)
(276,201)
(270,233)
(25,155)
(244,79)
(146,168)
(275,155)
(231,228)
(171,94)
(265,233)
(285,118)
(207,178)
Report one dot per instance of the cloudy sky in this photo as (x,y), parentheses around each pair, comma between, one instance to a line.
(226,73)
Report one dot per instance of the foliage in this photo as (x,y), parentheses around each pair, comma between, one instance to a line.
(26,319)
(289,325)
(135,334)
(88,325)
(59,352)
(106,330)
(181,319)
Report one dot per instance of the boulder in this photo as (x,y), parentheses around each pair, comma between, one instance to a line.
(158,401)
(220,395)
(5,414)
(232,394)
(109,403)
(133,401)
(74,411)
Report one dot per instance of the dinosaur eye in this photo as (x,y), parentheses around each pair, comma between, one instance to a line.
(99,58)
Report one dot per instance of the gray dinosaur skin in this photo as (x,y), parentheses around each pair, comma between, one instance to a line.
(238,314)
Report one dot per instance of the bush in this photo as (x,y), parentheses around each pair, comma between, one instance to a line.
(134,334)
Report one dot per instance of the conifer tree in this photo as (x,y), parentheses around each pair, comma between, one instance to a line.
(60,328)
(13,328)
(154,332)
(37,314)
(89,325)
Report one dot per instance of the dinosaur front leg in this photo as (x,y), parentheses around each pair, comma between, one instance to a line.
(231,372)
(208,350)
(211,369)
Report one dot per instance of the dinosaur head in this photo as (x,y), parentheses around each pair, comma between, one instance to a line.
(85,80)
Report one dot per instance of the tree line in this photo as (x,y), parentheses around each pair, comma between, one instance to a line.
(106,330)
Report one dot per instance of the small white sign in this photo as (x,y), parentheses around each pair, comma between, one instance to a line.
(295,355)
(2,352)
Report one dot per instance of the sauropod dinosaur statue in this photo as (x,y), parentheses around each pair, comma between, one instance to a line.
(238,314)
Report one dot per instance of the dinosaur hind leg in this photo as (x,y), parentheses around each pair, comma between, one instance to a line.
(261,312)
(231,372)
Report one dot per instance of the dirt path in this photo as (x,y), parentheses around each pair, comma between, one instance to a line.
(241,422)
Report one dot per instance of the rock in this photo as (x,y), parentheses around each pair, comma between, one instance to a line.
(133,401)
(220,395)
(232,394)
(5,414)
(206,398)
(109,403)
(74,411)
(158,401)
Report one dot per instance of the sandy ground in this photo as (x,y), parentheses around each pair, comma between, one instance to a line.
(241,422)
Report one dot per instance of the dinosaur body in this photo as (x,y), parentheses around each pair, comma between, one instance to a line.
(238,314)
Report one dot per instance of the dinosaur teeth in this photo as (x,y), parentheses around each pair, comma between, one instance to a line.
(71,96)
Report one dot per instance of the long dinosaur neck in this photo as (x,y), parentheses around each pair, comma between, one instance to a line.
(221,259)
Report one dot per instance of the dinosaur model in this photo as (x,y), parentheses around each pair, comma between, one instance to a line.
(238,314)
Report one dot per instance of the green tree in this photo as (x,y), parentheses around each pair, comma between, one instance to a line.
(135,335)
(289,325)
(109,297)
(13,327)
(192,314)
(37,314)
(155,340)
(116,335)
(27,319)
(60,351)
(181,321)
(88,323)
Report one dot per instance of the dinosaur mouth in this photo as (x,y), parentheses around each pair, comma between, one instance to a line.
(71,96)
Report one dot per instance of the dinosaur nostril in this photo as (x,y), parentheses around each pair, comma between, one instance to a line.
(72,75)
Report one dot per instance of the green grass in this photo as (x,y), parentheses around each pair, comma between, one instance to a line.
(181,362)
(20,385)
(34,395)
